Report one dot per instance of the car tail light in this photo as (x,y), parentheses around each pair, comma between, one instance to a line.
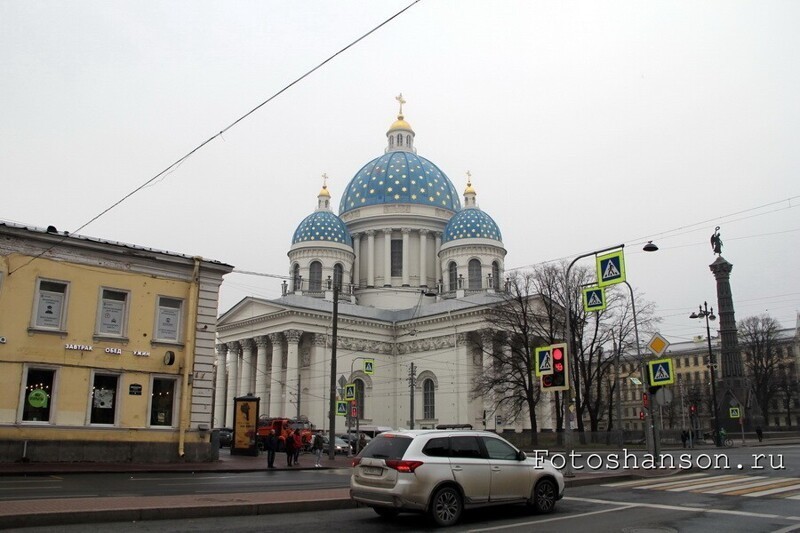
(355,461)
(406,467)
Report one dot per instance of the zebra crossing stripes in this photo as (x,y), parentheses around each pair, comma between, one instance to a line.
(728,485)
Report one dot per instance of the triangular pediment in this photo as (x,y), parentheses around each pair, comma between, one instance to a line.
(248,308)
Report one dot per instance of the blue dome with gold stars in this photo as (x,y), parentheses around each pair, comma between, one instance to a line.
(471,223)
(400,177)
(322,226)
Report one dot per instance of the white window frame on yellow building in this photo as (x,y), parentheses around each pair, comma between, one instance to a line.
(101,310)
(23,394)
(157,326)
(117,407)
(37,301)
(175,400)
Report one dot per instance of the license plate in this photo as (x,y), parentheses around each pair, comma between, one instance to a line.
(372,470)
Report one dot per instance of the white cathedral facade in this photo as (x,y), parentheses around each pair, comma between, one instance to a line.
(417,270)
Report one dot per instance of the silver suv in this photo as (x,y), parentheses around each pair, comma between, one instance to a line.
(444,472)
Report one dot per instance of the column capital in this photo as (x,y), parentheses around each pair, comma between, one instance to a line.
(293,335)
(262,341)
(424,231)
(405,231)
(234,347)
(320,339)
(247,344)
(275,338)
(370,233)
(222,349)
(387,231)
(438,234)
(356,236)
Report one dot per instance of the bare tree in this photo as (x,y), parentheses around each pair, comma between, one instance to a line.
(507,348)
(758,339)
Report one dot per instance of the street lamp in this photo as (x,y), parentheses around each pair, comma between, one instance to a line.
(712,364)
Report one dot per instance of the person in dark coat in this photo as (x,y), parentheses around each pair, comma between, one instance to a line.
(684,437)
(289,444)
(271,445)
(759,433)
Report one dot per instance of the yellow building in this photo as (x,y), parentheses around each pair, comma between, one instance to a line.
(106,350)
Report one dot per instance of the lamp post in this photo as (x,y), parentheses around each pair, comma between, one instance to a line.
(712,364)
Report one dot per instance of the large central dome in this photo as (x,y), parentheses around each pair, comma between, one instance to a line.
(400,177)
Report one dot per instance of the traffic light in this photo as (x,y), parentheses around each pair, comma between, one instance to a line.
(693,409)
(641,415)
(559,379)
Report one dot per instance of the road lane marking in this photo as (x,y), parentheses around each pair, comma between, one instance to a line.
(645,481)
(732,491)
(685,508)
(555,519)
(717,482)
(774,491)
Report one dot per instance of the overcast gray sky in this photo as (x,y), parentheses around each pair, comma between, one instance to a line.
(584,124)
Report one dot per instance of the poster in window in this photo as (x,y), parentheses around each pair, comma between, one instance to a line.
(103,398)
(48,314)
(111,317)
(168,323)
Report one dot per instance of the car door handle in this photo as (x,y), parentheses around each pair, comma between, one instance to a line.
(495,468)
(457,468)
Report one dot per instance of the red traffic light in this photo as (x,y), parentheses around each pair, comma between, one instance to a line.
(693,408)
(641,415)
(558,354)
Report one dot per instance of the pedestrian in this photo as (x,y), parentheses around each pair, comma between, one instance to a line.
(316,446)
(271,444)
(759,433)
(289,446)
(684,437)
(362,442)
(298,446)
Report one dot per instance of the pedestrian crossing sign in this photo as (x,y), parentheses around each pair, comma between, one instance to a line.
(594,299)
(543,361)
(661,372)
(734,412)
(610,268)
(341,408)
(350,391)
(369,366)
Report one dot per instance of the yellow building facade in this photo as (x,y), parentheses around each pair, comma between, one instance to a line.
(106,350)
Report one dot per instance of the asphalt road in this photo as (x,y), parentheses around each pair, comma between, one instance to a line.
(601,508)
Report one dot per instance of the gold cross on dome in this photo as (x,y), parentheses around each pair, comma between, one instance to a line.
(469,178)
(402,101)
(324,180)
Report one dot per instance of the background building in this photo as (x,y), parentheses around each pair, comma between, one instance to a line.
(106,349)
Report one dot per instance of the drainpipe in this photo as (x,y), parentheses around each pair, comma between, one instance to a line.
(188,359)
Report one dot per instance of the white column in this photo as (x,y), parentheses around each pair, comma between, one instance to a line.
(275,378)
(292,371)
(487,360)
(437,264)
(219,386)
(246,377)
(357,250)
(423,258)
(233,381)
(319,391)
(463,379)
(387,257)
(370,258)
(261,391)
(406,232)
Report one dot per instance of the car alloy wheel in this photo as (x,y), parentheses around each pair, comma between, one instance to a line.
(544,496)
(446,506)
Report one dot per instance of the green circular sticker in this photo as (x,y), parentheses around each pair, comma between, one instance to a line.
(37,398)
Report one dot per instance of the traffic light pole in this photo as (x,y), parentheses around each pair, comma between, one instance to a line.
(567,400)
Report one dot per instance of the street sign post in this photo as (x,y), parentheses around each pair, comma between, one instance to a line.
(658,345)
(661,372)
(543,361)
(610,268)
(594,299)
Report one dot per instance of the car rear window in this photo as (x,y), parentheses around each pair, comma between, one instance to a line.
(387,447)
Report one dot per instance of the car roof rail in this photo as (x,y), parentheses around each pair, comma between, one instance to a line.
(454,426)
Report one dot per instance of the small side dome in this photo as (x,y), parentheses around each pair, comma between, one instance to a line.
(471,223)
(322,226)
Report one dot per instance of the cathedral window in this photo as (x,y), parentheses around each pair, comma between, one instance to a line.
(399,140)
(428,400)
(474,270)
(296,278)
(496,276)
(315,277)
(452,275)
(337,275)
(397,257)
